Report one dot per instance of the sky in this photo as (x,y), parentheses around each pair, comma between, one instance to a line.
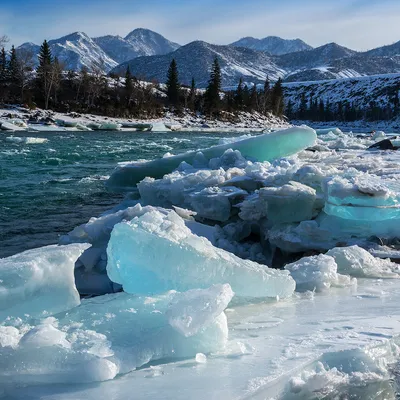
(357,24)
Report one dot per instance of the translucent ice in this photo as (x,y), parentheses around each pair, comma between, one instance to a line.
(114,334)
(39,282)
(362,197)
(358,262)
(265,147)
(157,252)
(317,273)
(293,202)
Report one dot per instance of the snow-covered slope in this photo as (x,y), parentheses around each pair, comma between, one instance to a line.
(273,45)
(79,50)
(140,42)
(116,48)
(357,91)
(149,43)
(75,51)
(195,60)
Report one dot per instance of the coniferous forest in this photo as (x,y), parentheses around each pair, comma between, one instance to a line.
(50,86)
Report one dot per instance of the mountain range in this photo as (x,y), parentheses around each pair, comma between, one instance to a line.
(148,55)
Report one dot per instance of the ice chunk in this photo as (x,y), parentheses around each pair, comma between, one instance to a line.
(362,197)
(158,252)
(358,262)
(201,358)
(265,147)
(293,202)
(216,203)
(325,131)
(196,308)
(39,282)
(317,273)
(114,334)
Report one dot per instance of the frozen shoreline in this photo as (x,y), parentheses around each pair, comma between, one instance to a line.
(231,214)
(246,122)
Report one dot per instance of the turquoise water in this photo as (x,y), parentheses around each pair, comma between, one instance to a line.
(48,188)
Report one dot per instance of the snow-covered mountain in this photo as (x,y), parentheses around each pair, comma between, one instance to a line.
(75,51)
(195,60)
(78,49)
(140,42)
(273,45)
(149,43)
(149,54)
(116,47)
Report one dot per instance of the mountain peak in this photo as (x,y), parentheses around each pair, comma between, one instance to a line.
(273,44)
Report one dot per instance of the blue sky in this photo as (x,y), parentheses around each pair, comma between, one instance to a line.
(358,24)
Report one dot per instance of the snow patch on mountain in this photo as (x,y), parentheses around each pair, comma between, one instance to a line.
(273,45)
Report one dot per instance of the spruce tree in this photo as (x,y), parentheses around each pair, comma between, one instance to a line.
(44,72)
(192,95)
(173,86)
(212,99)
(128,80)
(277,101)
(3,66)
(253,101)
(266,105)
(239,98)
(13,65)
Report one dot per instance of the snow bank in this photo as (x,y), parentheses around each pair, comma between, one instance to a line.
(157,252)
(39,282)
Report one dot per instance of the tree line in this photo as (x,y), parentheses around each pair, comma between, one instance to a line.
(320,110)
(47,84)
(266,100)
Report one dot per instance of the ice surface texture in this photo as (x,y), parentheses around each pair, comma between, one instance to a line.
(39,282)
(114,334)
(157,252)
(265,147)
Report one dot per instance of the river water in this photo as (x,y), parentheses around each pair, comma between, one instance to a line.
(52,182)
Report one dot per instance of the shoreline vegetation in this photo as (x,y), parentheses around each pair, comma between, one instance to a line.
(50,86)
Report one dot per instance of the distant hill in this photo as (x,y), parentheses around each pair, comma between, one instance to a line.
(273,45)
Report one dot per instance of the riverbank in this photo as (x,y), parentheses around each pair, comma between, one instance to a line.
(242,122)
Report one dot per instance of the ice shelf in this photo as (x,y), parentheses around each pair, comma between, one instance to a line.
(267,147)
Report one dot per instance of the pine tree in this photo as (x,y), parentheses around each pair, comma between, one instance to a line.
(302,107)
(266,105)
(192,95)
(321,110)
(277,101)
(13,65)
(173,86)
(128,80)
(44,72)
(212,97)
(253,101)
(289,109)
(239,98)
(3,66)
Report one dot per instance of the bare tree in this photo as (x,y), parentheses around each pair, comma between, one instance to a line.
(24,70)
(3,40)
